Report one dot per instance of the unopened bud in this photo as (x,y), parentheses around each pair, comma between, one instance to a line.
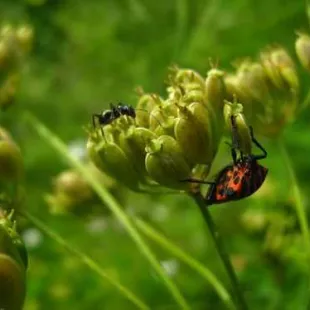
(133,144)
(111,159)
(215,89)
(73,185)
(146,104)
(166,164)
(193,132)
(242,132)
(24,36)
(187,76)
(11,162)
(302,47)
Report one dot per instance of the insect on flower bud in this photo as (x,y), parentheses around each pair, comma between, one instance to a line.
(302,48)
(165,163)
(244,142)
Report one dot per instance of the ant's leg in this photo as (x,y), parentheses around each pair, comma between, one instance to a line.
(257,157)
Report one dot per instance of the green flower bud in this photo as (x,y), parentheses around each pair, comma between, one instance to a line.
(233,90)
(286,67)
(252,82)
(111,159)
(166,127)
(9,52)
(8,91)
(24,36)
(215,89)
(175,93)
(133,143)
(280,69)
(165,163)
(71,184)
(187,76)
(12,283)
(193,133)
(302,48)
(194,94)
(11,162)
(243,134)
(162,117)
(146,104)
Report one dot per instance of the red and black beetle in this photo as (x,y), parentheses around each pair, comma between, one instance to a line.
(240,179)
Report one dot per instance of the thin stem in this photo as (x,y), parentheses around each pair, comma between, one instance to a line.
(308,10)
(221,251)
(92,265)
(109,200)
(153,234)
(300,209)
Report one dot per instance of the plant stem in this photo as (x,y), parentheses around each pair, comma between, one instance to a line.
(300,209)
(85,259)
(221,250)
(187,259)
(308,10)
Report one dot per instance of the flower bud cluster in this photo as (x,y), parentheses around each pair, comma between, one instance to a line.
(13,264)
(72,194)
(169,138)
(268,89)
(15,43)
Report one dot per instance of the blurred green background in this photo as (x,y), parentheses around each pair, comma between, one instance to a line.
(89,53)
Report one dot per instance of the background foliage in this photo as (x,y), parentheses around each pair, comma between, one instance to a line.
(90,53)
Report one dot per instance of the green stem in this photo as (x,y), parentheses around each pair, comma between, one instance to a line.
(300,209)
(221,250)
(109,200)
(85,259)
(308,10)
(186,258)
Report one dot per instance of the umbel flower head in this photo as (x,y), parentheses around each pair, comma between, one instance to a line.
(172,139)
(268,88)
(168,139)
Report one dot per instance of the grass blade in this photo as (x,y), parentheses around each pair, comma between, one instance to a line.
(86,260)
(187,259)
(109,200)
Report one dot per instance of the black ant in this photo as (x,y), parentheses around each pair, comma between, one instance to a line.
(116,111)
